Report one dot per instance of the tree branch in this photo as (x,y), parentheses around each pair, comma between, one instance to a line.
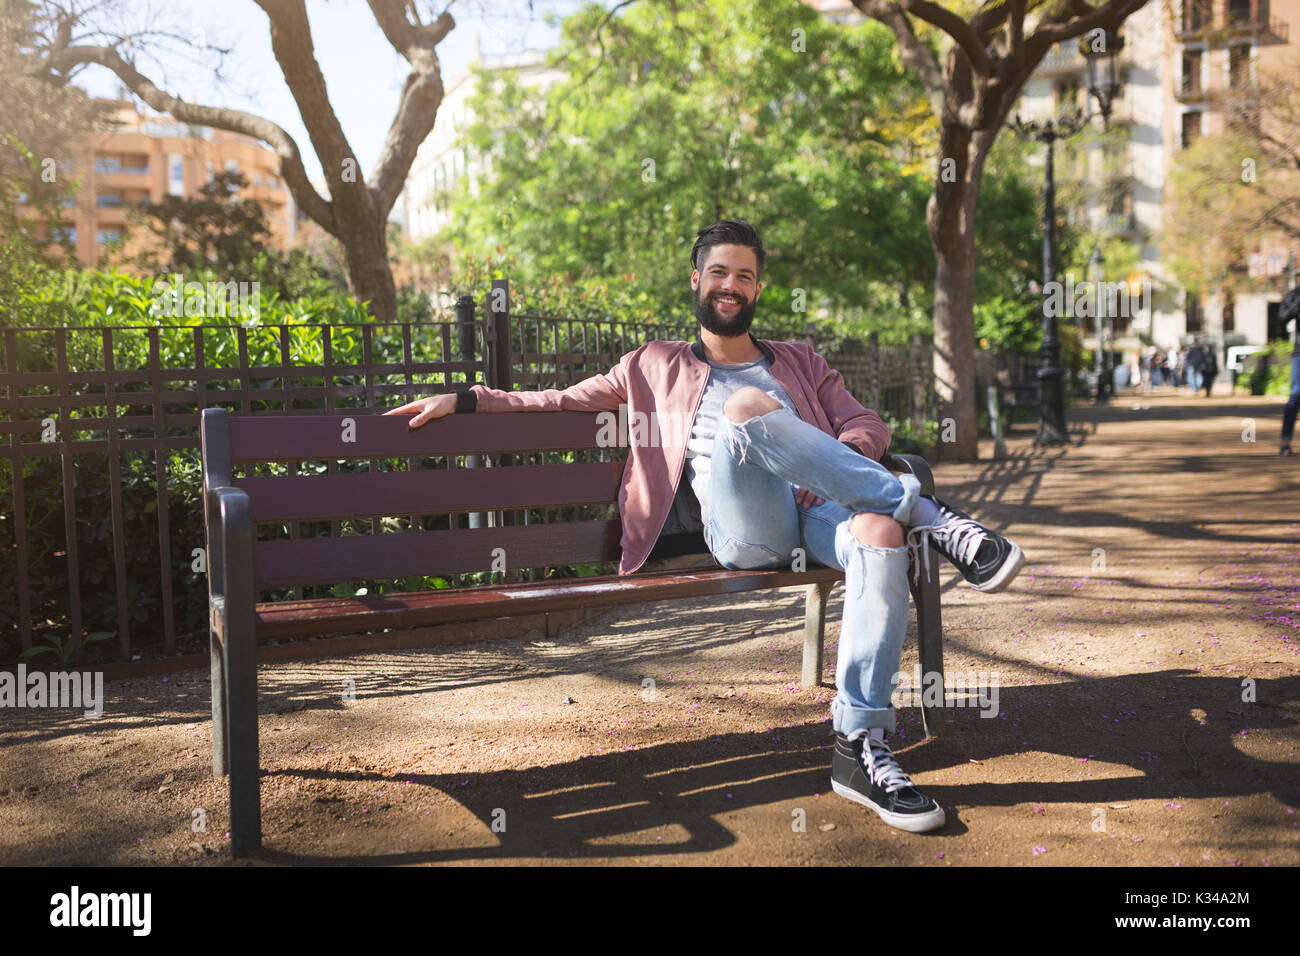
(412,40)
(422,94)
(238,121)
(291,43)
(1050,32)
(961,32)
(915,54)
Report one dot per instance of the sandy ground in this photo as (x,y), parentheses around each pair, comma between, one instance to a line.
(1162,587)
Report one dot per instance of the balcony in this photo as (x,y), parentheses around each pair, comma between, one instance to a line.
(106,166)
(1238,21)
(1190,92)
(1251,18)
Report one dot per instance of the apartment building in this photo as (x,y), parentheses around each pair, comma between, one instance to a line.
(1121,174)
(444,158)
(1217,52)
(150,156)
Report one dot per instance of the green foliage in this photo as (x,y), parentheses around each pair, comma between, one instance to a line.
(1005,324)
(64,648)
(213,229)
(1270,370)
(594,199)
(26,252)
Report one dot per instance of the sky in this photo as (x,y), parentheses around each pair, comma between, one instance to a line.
(363,73)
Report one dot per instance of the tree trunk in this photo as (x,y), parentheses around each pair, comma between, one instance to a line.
(369,276)
(950,219)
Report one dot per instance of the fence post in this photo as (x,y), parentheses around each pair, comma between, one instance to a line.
(465,329)
(995,421)
(873,369)
(918,387)
(497,315)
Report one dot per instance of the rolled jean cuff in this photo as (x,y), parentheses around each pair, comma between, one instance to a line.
(845,718)
(911,491)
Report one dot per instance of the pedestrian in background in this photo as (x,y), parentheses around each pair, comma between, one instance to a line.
(1289,312)
(1209,367)
(1192,362)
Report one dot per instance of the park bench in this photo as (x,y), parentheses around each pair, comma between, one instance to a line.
(1020,396)
(241,567)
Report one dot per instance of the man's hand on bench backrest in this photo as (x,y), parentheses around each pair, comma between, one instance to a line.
(435,406)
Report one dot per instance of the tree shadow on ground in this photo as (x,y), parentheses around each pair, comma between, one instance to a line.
(600,806)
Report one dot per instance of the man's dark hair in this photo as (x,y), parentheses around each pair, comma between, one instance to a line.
(728,232)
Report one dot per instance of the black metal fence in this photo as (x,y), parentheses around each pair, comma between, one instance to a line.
(99,440)
(101,425)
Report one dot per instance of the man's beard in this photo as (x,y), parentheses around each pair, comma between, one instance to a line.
(727,326)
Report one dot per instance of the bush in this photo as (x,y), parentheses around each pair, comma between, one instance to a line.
(1278,377)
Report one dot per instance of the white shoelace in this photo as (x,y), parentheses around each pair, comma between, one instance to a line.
(882,766)
(962,536)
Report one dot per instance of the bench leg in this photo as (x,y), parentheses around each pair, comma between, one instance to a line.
(929,638)
(239,642)
(814,631)
(245,781)
(220,728)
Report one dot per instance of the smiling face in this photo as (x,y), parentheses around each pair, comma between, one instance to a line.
(726,290)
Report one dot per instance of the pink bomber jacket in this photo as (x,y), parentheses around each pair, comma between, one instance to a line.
(665,381)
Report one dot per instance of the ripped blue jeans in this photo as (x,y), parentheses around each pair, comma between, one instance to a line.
(755,522)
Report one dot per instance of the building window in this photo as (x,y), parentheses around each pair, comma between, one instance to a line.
(1191,71)
(1196,15)
(176,174)
(211,170)
(1229,318)
(1239,11)
(1239,66)
(1191,130)
(109,200)
(109,235)
(108,164)
(70,233)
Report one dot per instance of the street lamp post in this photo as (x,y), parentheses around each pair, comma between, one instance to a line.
(1051,387)
(1100,49)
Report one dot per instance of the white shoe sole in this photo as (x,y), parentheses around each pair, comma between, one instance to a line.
(1010,568)
(911,822)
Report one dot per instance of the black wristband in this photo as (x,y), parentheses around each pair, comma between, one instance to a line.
(466,401)
(854,447)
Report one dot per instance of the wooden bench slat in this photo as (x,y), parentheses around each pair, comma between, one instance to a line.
(302,561)
(283,619)
(259,438)
(431,491)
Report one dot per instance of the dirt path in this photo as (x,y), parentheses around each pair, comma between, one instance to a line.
(1163,577)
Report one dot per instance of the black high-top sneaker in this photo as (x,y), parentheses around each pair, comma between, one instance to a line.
(985,559)
(866,772)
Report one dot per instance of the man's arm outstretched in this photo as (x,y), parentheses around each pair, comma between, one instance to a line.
(600,392)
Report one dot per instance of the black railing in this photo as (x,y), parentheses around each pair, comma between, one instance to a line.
(101,529)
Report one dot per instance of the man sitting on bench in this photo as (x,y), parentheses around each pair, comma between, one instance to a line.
(782,460)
